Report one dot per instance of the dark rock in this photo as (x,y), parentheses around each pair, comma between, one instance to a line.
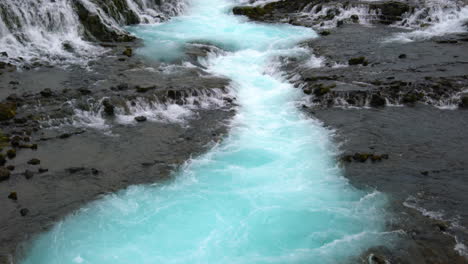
(4,54)
(358,60)
(74,170)
(324,32)
(34,161)
(42,170)
(94,171)
(377,101)
(109,108)
(68,47)
(361,157)
(141,118)
(376,259)
(252,12)
(13,196)
(442,226)
(7,111)
(425,173)
(11,153)
(402,56)
(4,174)
(24,211)
(464,102)
(412,98)
(2,160)
(84,91)
(140,89)
(355,18)
(10,167)
(128,52)
(64,136)
(47,92)
(28,174)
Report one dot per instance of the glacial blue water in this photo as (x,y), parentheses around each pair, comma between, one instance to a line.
(271,192)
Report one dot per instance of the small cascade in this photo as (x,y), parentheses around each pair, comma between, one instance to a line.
(58,31)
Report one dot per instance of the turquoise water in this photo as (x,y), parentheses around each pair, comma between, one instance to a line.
(270,193)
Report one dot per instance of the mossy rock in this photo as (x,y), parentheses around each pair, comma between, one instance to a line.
(253,12)
(128,52)
(7,111)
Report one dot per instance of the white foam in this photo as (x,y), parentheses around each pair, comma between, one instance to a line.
(434,18)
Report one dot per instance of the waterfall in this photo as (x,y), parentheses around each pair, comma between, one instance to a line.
(54,31)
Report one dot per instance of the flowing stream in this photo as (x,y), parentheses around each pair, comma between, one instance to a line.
(270,193)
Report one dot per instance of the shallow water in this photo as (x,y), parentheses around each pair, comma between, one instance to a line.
(270,193)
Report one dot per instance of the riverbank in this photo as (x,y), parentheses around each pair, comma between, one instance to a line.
(79,133)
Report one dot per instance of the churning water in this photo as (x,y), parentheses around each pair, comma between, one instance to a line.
(270,193)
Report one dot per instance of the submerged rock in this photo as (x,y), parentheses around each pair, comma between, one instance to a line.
(109,108)
(24,211)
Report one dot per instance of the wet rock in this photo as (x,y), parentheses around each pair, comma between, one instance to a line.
(390,11)
(463,102)
(13,196)
(140,118)
(128,52)
(325,32)
(109,108)
(140,89)
(11,153)
(4,174)
(10,167)
(361,157)
(64,136)
(411,98)
(358,60)
(28,174)
(74,170)
(376,259)
(47,92)
(24,211)
(42,170)
(425,173)
(321,89)
(377,101)
(84,91)
(252,12)
(2,160)
(34,161)
(7,111)
(355,18)
(4,54)
(441,225)
(94,171)
(402,56)
(68,47)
